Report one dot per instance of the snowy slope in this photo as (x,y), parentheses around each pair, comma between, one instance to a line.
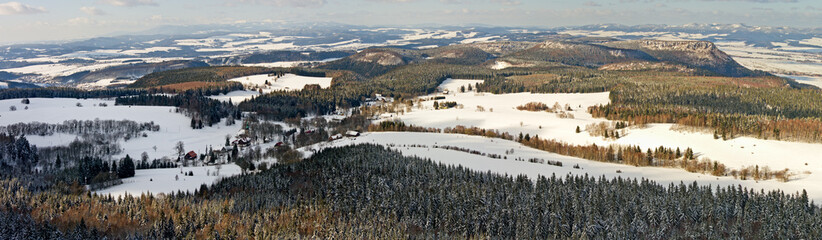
(173,126)
(736,153)
(170,180)
(288,82)
(402,141)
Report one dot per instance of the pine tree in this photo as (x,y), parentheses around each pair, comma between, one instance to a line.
(619,155)
(126,169)
(105,168)
(578,130)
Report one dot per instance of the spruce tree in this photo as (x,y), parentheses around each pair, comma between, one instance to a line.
(126,168)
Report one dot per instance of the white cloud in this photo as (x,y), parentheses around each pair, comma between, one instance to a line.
(393,1)
(92,11)
(128,3)
(16,8)
(592,4)
(507,2)
(80,21)
(283,3)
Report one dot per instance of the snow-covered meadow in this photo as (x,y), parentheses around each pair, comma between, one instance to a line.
(402,141)
(288,82)
(498,111)
(174,127)
(170,180)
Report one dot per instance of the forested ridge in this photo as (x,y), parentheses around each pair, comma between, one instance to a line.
(759,105)
(370,192)
(367,191)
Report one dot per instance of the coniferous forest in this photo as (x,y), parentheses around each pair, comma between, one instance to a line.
(367,191)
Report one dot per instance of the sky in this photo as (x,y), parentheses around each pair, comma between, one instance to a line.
(55,20)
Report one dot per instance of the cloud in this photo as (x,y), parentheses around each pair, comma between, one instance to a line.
(754,1)
(393,1)
(284,3)
(503,2)
(592,4)
(92,11)
(128,3)
(507,2)
(750,1)
(16,8)
(80,21)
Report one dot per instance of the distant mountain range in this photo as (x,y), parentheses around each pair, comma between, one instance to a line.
(95,61)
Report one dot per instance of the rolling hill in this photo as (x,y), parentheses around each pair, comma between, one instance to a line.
(698,54)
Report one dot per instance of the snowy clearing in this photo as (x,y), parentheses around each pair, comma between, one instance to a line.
(498,111)
(499,65)
(288,82)
(403,140)
(810,80)
(170,180)
(173,126)
(455,84)
(100,84)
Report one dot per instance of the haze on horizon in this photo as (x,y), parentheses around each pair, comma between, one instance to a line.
(54,20)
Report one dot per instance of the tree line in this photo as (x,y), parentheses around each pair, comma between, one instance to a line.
(368,191)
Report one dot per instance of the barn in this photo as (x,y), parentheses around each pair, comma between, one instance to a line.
(191,155)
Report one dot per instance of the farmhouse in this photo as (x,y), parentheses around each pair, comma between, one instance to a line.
(242,142)
(191,155)
(352,134)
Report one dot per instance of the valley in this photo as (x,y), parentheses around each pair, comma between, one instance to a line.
(417,133)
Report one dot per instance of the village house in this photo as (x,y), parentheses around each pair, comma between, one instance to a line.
(190,156)
(352,134)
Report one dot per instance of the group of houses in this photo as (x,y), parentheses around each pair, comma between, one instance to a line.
(347,134)
(242,140)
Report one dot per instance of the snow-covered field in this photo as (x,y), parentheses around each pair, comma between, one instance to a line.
(286,64)
(780,60)
(59,69)
(173,126)
(170,180)
(402,141)
(815,81)
(500,113)
(100,84)
(288,82)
